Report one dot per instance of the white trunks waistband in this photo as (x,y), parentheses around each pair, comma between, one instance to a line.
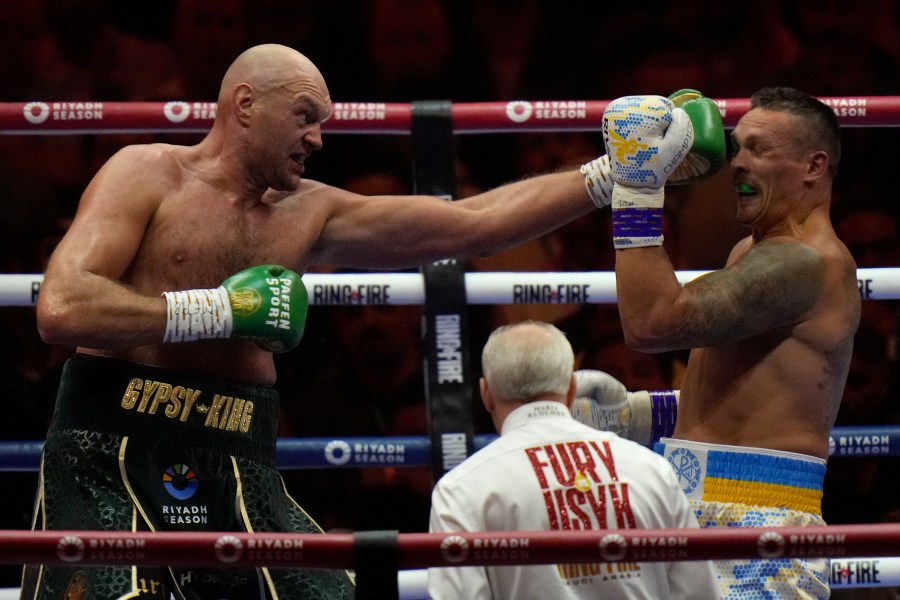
(745,475)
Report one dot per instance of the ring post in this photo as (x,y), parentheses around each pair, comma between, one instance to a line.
(445,313)
(375,562)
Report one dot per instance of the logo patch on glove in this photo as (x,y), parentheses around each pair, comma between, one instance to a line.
(244,302)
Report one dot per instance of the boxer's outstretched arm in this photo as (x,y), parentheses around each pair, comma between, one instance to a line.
(403,231)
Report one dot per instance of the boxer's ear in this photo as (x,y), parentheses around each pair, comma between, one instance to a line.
(242,102)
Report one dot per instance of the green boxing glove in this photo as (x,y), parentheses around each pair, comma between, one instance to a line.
(707,154)
(266,303)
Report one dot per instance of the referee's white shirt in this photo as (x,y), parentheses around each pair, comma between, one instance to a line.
(546,468)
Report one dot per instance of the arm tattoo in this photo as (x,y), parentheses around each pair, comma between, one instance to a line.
(772,285)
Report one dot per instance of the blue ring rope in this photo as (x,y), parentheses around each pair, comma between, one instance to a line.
(414,451)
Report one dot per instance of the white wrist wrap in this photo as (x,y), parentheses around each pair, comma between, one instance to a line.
(652,415)
(641,423)
(637,214)
(597,181)
(198,315)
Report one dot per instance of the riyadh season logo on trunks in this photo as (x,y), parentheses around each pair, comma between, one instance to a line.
(180,481)
(520,111)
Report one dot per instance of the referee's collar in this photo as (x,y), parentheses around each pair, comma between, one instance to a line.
(539,409)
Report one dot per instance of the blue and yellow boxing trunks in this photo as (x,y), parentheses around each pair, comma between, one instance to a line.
(140,448)
(736,486)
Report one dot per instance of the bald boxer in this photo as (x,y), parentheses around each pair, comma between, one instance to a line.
(179,278)
(771,333)
(546,471)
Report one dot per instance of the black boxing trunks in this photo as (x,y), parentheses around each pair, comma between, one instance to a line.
(140,448)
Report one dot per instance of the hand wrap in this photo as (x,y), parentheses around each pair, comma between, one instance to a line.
(266,303)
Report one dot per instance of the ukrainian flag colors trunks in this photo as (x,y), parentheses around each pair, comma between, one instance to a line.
(737,486)
(140,448)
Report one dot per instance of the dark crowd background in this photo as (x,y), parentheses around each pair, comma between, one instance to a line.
(359,370)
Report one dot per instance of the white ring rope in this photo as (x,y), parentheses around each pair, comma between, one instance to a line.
(520,287)
(846,573)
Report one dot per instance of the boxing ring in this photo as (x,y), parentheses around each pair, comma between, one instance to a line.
(387,563)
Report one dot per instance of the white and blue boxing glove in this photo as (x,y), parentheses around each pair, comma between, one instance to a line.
(705,159)
(602,402)
(647,138)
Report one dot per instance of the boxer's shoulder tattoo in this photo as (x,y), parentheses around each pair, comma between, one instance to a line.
(774,284)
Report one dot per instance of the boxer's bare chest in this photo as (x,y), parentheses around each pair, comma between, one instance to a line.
(201,239)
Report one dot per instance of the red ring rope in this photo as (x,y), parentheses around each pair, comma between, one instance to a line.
(421,550)
(46,117)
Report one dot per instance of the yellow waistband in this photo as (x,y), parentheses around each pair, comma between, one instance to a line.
(716,489)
